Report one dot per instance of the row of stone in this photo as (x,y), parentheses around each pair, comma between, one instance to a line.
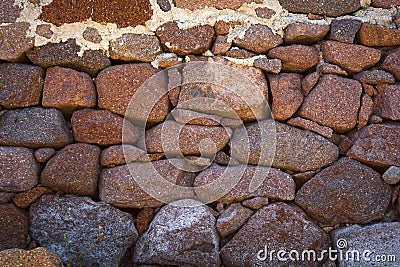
(183,235)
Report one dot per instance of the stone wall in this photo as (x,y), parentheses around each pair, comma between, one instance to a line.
(295,103)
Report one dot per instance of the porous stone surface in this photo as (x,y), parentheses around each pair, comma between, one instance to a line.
(344,30)
(387,102)
(350,192)
(74,170)
(374,35)
(81,231)
(311,126)
(268,65)
(119,155)
(14,227)
(25,199)
(198,4)
(340,105)
(377,145)
(392,175)
(44,154)
(391,63)
(34,127)
(321,7)
(35,258)
(66,55)
(302,33)
(375,77)
(68,90)
(180,236)
(14,42)
(232,219)
(9,12)
(258,39)
(19,169)
(292,230)
(20,85)
(365,111)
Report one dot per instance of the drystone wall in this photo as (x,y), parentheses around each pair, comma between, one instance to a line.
(199,133)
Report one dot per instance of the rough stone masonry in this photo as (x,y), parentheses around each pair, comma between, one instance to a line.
(75,156)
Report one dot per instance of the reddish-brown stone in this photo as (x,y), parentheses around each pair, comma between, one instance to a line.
(301,33)
(375,77)
(391,62)
(268,65)
(295,58)
(117,85)
(195,40)
(321,7)
(365,111)
(222,27)
(44,154)
(311,126)
(239,53)
(344,30)
(198,4)
(334,102)
(255,203)
(286,95)
(120,12)
(221,45)
(14,227)
(34,258)
(258,39)
(74,170)
(265,12)
(277,226)
(308,83)
(13,41)
(231,219)
(20,85)
(9,12)
(353,58)
(374,35)
(100,127)
(327,68)
(68,90)
(25,199)
(143,220)
(345,145)
(92,35)
(387,102)
(44,30)
(377,145)
(385,3)
(369,89)
(119,155)
(349,192)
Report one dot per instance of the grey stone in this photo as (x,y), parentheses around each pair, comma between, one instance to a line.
(392,175)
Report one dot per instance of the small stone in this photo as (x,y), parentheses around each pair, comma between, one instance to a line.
(100,127)
(144,219)
(67,55)
(14,227)
(392,175)
(365,111)
(117,85)
(312,16)
(186,139)
(232,219)
(20,171)
(349,192)
(13,41)
(392,63)
(180,236)
(308,83)
(6,197)
(164,5)
(34,127)
(265,12)
(385,3)
(258,39)
(44,30)
(292,230)
(199,4)
(352,58)
(375,119)
(387,102)
(25,199)
(119,188)
(302,177)
(296,58)
(20,85)
(375,35)
(34,258)
(301,33)
(379,238)
(167,60)
(119,155)
(92,35)
(311,126)
(321,7)
(239,53)
(151,157)
(369,89)
(135,47)
(42,155)
(344,30)
(286,95)
(375,77)
(190,117)
(9,12)
(75,226)
(327,68)
(74,170)
(268,65)
(222,27)
(195,40)
(221,45)
(68,90)
(222,158)
(339,111)
(308,151)
(255,203)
